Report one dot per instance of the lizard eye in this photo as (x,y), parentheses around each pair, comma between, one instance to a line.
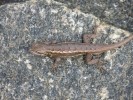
(35,44)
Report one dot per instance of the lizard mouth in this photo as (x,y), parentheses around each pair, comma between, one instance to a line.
(36,52)
(33,52)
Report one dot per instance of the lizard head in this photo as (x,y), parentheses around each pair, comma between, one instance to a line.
(39,49)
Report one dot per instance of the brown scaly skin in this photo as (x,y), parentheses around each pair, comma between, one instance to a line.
(71,49)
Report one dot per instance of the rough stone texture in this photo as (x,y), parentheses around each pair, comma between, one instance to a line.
(116,12)
(24,76)
(10,1)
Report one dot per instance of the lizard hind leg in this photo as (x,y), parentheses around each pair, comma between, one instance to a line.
(91,60)
(87,38)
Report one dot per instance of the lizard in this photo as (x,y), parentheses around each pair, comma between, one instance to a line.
(71,49)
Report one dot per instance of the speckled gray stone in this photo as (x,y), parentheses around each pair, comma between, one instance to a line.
(24,76)
(119,13)
(2,2)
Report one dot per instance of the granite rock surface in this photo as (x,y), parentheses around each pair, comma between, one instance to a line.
(24,76)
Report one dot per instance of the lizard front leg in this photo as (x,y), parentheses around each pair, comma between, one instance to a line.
(56,62)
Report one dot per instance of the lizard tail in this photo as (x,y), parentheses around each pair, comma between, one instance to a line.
(116,45)
(112,46)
